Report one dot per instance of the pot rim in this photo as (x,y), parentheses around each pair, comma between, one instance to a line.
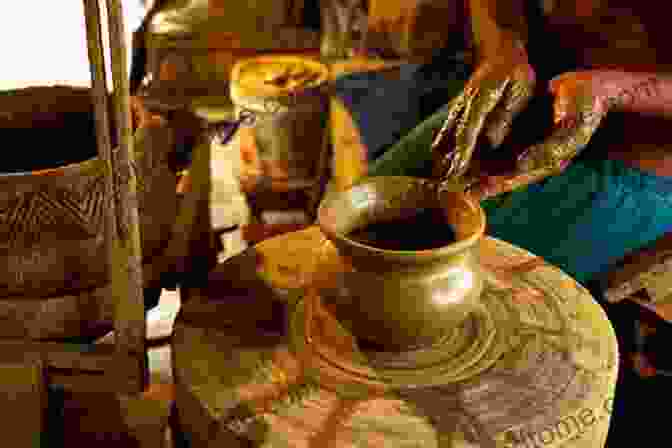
(451,249)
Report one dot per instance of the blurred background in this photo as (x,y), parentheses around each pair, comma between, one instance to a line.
(44,42)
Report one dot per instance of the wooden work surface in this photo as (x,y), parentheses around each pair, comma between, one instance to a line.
(240,383)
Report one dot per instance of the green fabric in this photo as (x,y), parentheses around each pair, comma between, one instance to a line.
(412,155)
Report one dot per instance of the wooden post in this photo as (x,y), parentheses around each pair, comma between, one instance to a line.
(130,325)
(122,221)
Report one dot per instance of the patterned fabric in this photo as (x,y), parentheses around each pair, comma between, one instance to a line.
(654,280)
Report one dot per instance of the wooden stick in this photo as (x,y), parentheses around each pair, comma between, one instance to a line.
(100,102)
(121,215)
(130,326)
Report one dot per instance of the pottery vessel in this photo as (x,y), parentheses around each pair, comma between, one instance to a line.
(403,300)
(290,122)
(54,279)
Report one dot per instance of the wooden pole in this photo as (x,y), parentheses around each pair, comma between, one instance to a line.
(127,287)
(122,220)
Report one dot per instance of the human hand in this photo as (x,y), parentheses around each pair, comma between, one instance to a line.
(582,100)
(497,92)
(141,117)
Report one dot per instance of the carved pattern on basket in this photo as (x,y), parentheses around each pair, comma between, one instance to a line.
(35,216)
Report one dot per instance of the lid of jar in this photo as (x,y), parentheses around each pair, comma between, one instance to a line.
(276,76)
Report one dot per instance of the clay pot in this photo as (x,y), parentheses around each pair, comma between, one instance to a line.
(54,279)
(403,300)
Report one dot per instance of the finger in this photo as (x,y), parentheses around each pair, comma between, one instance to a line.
(569,102)
(136,111)
(581,109)
(457,104)
(471,124)
(441,145)
(141,117)
(560,80)
(570,79)
(515,99)
(451,160)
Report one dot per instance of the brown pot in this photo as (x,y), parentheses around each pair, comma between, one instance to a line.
(53,272)
(403,300)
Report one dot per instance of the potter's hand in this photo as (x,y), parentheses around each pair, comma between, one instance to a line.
(582,99)
(581,102)
(141,117)
(500,88)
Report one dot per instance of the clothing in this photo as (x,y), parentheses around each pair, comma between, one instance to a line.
(587,218)
(388,109)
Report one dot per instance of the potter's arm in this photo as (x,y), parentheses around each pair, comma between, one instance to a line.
(645,93)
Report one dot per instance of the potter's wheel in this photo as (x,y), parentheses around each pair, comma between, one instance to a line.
(332,352)
(538,368)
